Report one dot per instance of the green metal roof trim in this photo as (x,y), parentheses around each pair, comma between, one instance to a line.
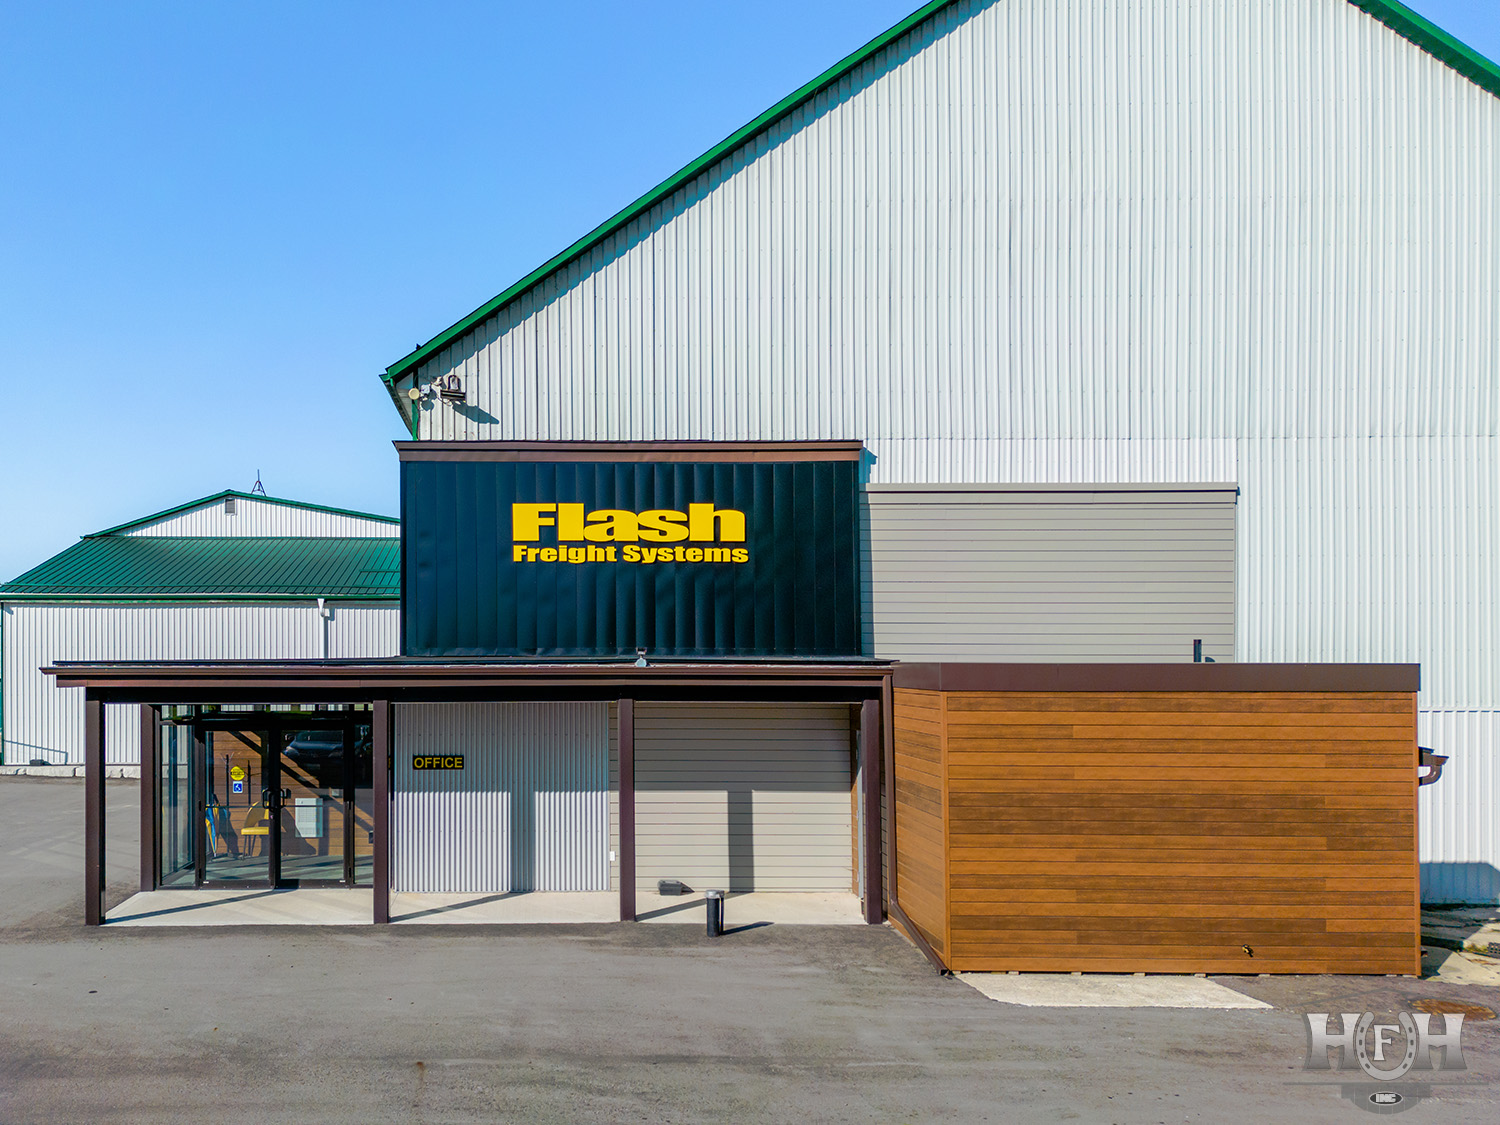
(221,496)
(1396,16)
(664,189)
(146,568)
(1435,41)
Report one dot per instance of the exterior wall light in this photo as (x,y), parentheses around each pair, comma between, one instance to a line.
(450,388)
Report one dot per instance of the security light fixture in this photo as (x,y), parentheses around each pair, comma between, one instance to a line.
(450,388)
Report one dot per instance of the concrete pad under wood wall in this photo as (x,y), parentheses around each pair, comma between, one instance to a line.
(331,906)
(1106,990)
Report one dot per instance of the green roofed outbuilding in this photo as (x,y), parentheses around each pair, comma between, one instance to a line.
(231,576)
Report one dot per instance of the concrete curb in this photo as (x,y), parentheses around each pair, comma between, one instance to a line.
(110,771)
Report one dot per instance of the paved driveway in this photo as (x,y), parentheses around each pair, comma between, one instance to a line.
(600,1023)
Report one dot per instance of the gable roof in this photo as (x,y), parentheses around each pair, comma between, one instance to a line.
(257,497)
(148,568)
(1394,15)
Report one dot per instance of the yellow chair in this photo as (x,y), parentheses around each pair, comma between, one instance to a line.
(257,825)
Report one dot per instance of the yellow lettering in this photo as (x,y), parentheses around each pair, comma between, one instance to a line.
(648,554)
(610,551)
(531,553)
(677,554)
(549,554)
(527,521)
(741,555)
(569,523)
(611,525)
(518,553)
(702,519)
(715,554)
(663,526)
(632,554)
(599,554)
(576,554)
(694,554)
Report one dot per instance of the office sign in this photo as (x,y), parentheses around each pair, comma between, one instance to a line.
(437,762)
(591,559)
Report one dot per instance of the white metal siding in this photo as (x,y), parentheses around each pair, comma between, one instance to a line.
(1044,575)
(529,810)
(44,721)
(741,797)
(1460,841)
(260,518)
(1082,241)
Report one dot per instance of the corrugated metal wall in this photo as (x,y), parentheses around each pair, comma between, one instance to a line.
(1051,574)
(741,797)
(1460,840)
(1082,241)
(257,518)
(43,721)
(529,810)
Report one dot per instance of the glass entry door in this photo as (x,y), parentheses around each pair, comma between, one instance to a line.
(281,800)
(314,805)
(238,837)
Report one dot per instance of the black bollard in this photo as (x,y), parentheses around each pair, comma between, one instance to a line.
(715,901)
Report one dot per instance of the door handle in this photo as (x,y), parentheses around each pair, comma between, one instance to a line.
(286,794)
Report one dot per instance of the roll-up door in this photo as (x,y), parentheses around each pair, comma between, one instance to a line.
(743,797)
(529,810)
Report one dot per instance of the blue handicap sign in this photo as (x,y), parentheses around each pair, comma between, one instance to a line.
(236,786)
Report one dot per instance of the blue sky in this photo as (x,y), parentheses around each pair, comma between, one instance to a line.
(220,221)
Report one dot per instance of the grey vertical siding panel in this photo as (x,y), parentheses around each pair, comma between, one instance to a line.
(614,796)
(257,518)
(529,810)
(44,721)
(1049,575)
(357,632)
(739,796)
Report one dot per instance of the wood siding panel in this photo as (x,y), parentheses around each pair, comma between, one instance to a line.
(1162,831)
(921,864)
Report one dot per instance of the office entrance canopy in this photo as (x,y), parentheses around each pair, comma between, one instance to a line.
(861,688)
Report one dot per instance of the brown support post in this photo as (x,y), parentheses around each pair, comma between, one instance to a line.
(870,746)
(93,812)
(380,755)
(150,794)
(627,810)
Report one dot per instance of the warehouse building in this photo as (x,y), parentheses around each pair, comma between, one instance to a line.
(1044,360)
(233,576)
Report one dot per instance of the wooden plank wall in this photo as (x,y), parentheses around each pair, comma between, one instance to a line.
(1166,832)
(921,867)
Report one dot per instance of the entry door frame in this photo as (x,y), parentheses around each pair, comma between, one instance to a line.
(272,725)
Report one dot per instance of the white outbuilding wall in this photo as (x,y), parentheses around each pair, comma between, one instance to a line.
(45,722)
(259,518)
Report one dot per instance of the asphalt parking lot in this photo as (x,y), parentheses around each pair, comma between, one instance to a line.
(605,1023)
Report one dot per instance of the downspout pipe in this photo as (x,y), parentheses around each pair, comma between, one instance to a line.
(893,903)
